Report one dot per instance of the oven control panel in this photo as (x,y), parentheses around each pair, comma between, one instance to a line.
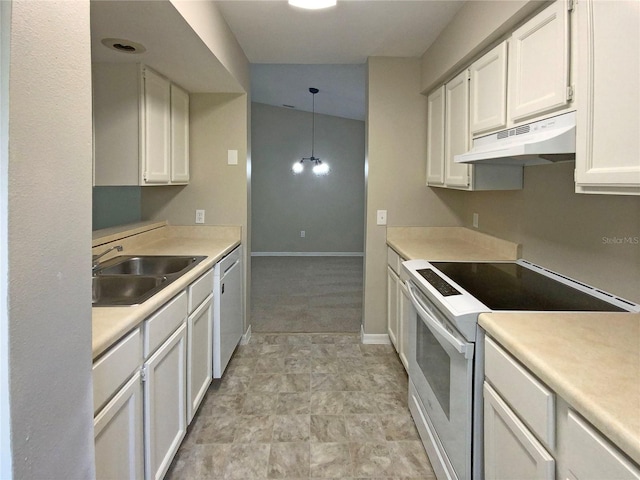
(438,283)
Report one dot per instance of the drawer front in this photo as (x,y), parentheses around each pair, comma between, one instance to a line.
(163,323)
(393,260)
(115,367)
(227,262)
(526,395)
(591,457)
(199,290)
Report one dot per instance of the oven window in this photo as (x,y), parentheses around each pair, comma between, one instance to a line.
(435,364)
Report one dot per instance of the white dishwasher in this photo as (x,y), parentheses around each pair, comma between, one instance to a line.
(227,309)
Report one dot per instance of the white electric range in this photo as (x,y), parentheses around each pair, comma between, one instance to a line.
(446,356)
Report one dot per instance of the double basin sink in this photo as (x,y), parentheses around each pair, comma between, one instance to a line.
(131,279)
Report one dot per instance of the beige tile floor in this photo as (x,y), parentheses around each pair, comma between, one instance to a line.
(305,406)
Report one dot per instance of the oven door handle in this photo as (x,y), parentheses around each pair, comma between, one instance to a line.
(426,315)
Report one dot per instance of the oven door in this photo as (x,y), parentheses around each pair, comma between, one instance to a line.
(441,369)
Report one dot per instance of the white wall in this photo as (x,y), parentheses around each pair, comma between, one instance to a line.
(205,19)
(329,208)
(5,412)
(396,179)
(571,233)
(49,240)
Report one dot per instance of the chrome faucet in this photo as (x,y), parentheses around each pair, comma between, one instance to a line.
(95,263)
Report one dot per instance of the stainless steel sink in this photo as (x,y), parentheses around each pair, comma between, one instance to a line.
(112,290)
(132,279)
(148,265)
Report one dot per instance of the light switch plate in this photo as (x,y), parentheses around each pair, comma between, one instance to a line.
(381,217)
(232,157)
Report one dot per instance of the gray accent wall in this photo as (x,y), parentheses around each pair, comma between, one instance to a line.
(116,206)
(329,208)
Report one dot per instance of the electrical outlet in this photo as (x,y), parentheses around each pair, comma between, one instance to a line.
(476,218)
(381,217)
(302,233)
(199,216)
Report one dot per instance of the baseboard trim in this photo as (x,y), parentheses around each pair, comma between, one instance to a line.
(307,254)
(374,338)
(246,337)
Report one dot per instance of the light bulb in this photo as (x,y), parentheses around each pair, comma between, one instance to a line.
(297,167)
(321,169)
(312,4)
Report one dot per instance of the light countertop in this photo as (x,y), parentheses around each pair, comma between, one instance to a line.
(111,323)
(449,243)
(591,360)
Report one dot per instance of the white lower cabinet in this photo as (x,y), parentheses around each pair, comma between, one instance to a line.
(397,301)
(591,457)
(165,403)
(117,399)
(118,435)
(510,449)
(199,354)
(530,432)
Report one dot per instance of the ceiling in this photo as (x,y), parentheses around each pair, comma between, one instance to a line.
(272,31)
(290,49)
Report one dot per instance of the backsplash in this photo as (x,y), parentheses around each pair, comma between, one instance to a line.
(115,206)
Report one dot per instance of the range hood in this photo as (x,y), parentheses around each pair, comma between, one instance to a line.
(545,141)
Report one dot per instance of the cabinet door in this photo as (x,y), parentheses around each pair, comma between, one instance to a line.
(199,359)
(539,63)
(179,135)
(456,130)
(435,137)
(607,140)
(392,307)
(118,434)
(156,127)
(164,404)
(510,450)
(488,91)
(591,457)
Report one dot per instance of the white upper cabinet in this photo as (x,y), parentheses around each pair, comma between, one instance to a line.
(488,91)
(435,137)
(539,64)
(179,135)
(156,114)
(456,130)
(448,135)
(608,124)
(141,127)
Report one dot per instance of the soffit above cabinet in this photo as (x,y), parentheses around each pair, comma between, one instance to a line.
(172,47)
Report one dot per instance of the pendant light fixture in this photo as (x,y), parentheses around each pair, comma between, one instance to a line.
(319,168)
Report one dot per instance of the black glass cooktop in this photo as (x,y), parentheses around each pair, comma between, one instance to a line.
(511,286)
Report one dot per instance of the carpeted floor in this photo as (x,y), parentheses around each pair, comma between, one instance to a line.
(306,294)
